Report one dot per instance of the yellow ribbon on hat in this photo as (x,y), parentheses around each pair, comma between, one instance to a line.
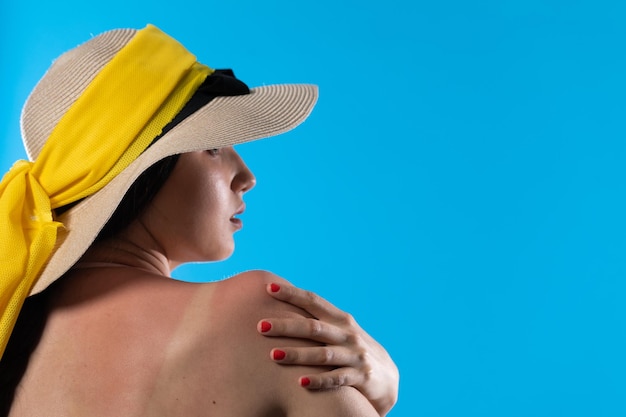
(114,120)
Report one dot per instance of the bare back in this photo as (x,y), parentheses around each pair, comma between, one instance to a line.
(122,343)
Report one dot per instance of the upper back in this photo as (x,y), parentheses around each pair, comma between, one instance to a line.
(122,343)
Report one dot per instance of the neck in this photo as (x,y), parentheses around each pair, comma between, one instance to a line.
(134,247)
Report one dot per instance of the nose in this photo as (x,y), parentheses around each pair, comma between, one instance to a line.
(244,179)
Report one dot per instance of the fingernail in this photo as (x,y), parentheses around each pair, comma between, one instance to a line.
(275,287)
(278,354)
(266,326)
(304,381)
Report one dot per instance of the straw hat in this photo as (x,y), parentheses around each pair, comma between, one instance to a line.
(224,121)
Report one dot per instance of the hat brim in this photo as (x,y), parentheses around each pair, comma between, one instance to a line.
(225,121)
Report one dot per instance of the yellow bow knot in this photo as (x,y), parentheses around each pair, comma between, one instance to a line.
(27,218)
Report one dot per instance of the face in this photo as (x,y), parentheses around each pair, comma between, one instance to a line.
(193,216)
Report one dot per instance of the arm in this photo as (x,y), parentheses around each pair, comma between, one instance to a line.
(357,359)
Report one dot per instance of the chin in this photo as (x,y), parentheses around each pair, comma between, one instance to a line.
(224,253)
(224,257)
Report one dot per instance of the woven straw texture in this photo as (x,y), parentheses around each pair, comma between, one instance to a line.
(225,121)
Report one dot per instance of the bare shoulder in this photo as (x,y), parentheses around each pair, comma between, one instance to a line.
(251,280)
(245,301)
(250,288)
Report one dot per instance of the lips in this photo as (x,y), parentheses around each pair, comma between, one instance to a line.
(234,220)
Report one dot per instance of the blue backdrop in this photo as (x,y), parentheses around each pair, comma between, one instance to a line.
(459,187)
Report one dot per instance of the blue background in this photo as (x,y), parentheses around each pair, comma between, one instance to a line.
(459,187)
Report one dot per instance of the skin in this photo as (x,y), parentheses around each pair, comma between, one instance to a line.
(357,359)
(106,356)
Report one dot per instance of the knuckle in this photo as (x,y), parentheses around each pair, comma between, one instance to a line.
(339,379)
(334,380)
(315,327)
(324,382)
(329,381)
(355,339)
(364,358)
(368,373)
(347,319)
(326,355)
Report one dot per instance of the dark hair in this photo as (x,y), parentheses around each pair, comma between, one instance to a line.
(33,315)
(138,196)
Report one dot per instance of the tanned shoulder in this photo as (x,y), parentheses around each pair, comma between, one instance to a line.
(274,385)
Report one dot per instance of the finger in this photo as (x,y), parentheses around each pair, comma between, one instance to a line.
(316,356)
(341,377)
(304,328)
(309,301)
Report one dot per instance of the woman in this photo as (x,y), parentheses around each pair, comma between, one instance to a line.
(115,337)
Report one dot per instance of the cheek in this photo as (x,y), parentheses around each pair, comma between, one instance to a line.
(206,211)
(208,228)
(195,197)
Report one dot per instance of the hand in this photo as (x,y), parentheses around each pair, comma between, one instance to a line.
(357,359)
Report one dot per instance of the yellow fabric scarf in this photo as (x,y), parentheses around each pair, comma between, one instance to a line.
(115,119)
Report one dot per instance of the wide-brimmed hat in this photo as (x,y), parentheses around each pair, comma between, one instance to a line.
(224,121)
(120,85)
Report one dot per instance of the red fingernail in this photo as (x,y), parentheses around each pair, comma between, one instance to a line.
(275,287)
(305,382)
(266,326)
(278,355)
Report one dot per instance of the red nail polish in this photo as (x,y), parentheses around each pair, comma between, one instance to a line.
(266,326)
(305,382)
(278,355)
(275,287)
